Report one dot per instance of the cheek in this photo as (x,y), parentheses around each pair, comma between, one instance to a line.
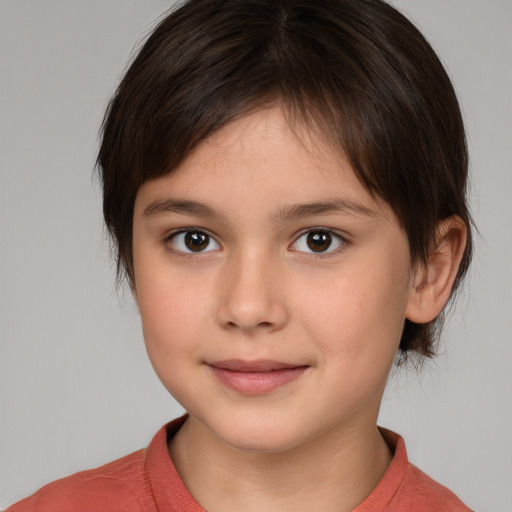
(359,314)
(169,325)
(168,309)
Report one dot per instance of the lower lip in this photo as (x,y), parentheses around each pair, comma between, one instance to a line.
(257,383)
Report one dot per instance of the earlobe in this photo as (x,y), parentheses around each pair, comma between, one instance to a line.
(434,280)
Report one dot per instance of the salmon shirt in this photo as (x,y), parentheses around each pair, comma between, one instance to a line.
(147,481)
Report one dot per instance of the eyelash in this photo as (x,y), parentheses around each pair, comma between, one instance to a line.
(341,242)
(335,237)
(171,240)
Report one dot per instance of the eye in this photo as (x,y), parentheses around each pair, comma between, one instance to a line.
(193,240)
(318,241)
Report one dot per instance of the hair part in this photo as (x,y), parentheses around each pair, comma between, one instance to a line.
(355,71)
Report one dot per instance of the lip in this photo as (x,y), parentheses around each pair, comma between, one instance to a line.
(255,377)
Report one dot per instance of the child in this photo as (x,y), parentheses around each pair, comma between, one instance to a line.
(285,184)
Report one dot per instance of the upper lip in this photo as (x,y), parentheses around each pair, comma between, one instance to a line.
(261,365)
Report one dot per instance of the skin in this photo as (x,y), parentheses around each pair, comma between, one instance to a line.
(256,291)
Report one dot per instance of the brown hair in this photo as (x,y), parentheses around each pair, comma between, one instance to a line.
(357,71)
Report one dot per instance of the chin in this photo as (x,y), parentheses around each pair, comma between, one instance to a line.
(262,444)
(258,437)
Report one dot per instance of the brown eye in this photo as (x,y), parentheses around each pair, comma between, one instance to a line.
(196,240)
(319,241)
(193,241)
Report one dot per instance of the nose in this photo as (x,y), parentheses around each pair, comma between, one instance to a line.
(252,297)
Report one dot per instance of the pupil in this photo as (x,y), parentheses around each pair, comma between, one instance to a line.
(196,241)
(319,241)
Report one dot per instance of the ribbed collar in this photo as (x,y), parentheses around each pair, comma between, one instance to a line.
(171,495)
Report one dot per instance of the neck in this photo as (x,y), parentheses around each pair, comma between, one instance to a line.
(335,471)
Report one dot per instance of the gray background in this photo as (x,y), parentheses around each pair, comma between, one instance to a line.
(76,389)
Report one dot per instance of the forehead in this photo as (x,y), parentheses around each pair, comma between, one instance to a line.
(263,148)
(260,164)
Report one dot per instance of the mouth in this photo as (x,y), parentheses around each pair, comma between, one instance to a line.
(256,377)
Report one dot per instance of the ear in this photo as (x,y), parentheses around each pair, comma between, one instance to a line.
(433,282)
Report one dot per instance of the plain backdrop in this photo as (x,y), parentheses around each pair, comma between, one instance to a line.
(76,388)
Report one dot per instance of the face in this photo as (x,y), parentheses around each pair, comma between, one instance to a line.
(272,287)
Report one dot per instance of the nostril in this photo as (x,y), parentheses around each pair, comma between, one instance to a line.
(263,325)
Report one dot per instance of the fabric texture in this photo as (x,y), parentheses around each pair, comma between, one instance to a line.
(147,481)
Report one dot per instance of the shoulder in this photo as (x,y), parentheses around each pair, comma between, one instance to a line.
(118,485)
(404,488)
(420,492)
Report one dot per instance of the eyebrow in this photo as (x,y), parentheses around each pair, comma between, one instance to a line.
(180,206)
(297,211)
(284,213)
